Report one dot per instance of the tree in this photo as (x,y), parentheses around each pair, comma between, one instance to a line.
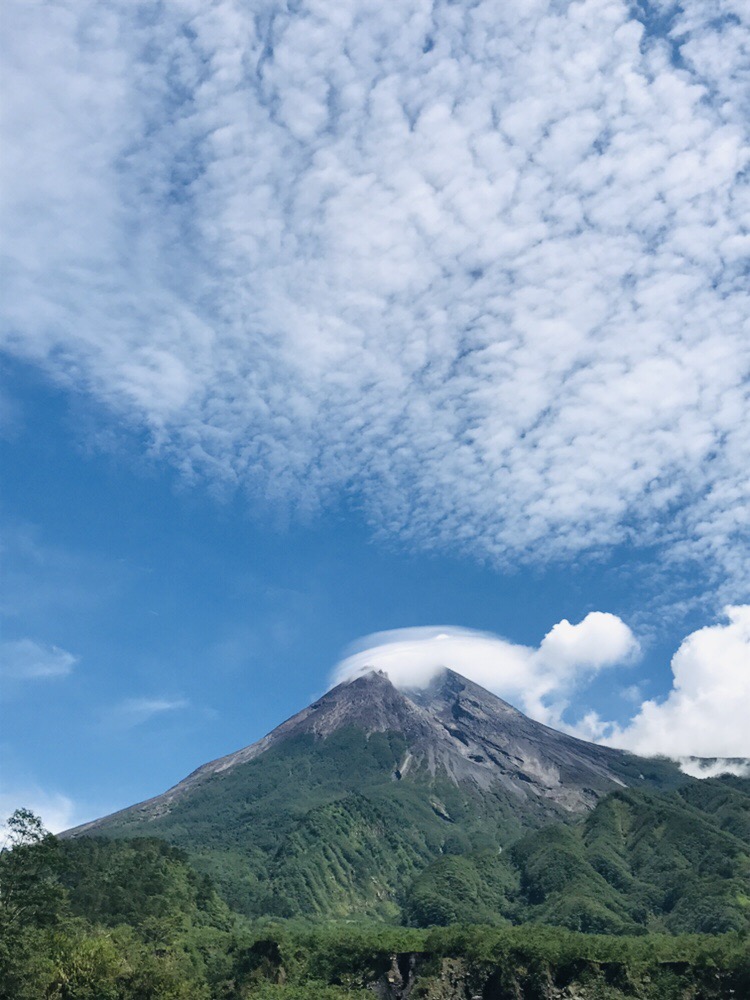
(30,893)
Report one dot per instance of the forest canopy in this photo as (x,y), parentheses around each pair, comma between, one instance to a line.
(93,919)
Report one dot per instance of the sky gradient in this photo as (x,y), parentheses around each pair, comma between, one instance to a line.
(328,320)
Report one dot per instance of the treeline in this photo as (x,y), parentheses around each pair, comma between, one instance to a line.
(131,920)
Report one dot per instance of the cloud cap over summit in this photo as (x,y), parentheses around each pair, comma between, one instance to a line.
(538,680)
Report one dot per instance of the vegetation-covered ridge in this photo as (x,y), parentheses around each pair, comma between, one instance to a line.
(131,920)
(674,862)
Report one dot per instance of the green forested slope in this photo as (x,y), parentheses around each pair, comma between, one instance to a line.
(675,862)
(323,828)
(146,884)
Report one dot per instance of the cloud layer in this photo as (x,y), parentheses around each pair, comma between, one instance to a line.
(537,680)
(482,266)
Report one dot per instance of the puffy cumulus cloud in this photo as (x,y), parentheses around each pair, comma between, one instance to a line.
(26,659)
(537,680)
(600,640)
(484,265)
(706,712)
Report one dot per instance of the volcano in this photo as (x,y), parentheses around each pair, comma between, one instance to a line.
(338,807)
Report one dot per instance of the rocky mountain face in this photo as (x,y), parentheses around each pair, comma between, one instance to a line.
(340,808)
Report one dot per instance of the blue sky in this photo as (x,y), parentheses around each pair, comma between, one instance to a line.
(323,323)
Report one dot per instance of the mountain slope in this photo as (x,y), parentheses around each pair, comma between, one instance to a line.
(452,728)
(335,811)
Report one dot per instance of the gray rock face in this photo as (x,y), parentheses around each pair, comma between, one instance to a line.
(489,742)
(454,727)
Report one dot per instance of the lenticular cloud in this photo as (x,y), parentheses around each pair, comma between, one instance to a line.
(538,680)
(483,265)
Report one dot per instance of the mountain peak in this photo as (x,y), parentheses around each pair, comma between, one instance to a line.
(370,678)
(330,809)
(449,687)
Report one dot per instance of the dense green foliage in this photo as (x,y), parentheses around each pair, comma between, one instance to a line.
(98,920)
(641,861)
(145,884)
(644,861)
(30,892)
(481,887)
(672,862)
(131,920)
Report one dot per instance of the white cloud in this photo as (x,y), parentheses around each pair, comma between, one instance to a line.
(713,768)
(537,680)
(135,711)
(26,659)
(600,640)
(483,265)
(706,712)
(57,811)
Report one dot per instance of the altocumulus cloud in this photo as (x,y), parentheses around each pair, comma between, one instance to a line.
(483,265)
(538,680)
